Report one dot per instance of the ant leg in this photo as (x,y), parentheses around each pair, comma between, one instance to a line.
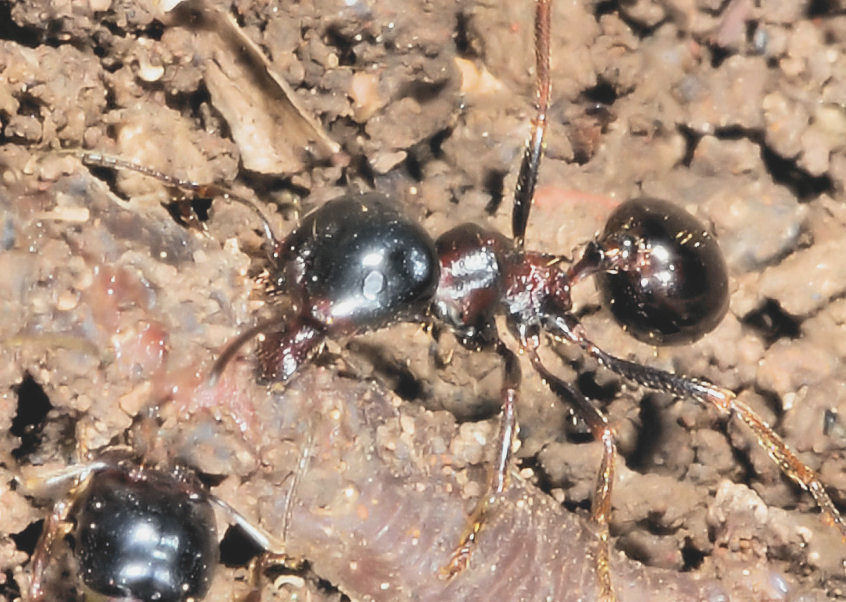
(724,400)
(498,476)
(256,569)
(96,159)
(55,528)
(57,525)
(596,421)
(262,538)
(528,176)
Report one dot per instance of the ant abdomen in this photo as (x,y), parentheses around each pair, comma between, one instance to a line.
(357,263)
(666,280)
(145,538)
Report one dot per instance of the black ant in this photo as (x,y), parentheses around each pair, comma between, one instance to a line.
(357,264)
(140,531)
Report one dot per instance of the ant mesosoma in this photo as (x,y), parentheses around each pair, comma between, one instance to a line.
(357,263)
(140,531)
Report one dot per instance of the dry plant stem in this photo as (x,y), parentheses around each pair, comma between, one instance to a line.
(227,27)
(596,421)
(722,399)
(302,467)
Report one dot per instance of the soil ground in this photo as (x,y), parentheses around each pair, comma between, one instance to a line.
(112,303)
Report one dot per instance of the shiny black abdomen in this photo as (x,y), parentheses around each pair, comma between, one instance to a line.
(680,292)
(144,539)
(358,263)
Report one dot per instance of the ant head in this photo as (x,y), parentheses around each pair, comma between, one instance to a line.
(141,533)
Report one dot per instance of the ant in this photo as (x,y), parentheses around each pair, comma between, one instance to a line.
(140,530)
(357,263)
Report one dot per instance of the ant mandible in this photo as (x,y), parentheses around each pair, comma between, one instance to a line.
(358,263)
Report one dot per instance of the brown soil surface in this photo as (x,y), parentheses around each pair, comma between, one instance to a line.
(733,110)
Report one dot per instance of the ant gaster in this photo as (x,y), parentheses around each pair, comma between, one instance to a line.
(357,263)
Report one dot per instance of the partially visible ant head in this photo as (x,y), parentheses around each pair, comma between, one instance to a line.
(138,532)
(140,521)
(143,533)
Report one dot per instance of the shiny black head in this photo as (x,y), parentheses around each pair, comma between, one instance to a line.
(358,263)
(144,537)
(671,285)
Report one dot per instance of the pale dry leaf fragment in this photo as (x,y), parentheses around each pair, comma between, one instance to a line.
(274,133)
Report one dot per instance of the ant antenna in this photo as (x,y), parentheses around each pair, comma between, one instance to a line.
(528,176)
(232,348)
(524,192)
(97,159)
